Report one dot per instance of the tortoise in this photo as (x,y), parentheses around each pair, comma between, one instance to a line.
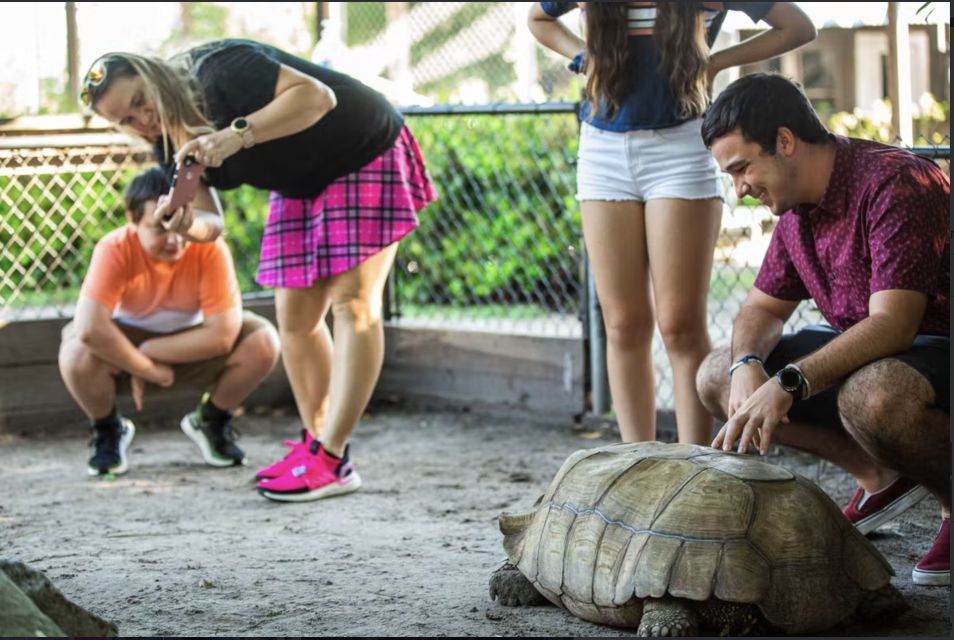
(673,538)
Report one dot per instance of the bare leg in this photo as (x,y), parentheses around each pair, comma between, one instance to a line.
(668,618)
(359,344)
(513,589)
(615,238)
(681,237)
(90,380)
(887,407)
(306,349)
(250,362)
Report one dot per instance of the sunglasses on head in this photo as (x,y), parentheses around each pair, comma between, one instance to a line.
(94,77)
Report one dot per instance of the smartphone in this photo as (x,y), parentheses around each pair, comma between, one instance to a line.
(185,183)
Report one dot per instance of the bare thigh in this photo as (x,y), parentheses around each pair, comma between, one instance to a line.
(615,235)
(681,237)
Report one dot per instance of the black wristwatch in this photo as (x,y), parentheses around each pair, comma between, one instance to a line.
(791,378)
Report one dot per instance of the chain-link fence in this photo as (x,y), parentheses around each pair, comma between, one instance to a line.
(501,250)
(446,52)
(55,203)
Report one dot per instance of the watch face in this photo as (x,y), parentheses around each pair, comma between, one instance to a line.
(790,379)
(240,123)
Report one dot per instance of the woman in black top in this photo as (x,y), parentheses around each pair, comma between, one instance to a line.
(347,179)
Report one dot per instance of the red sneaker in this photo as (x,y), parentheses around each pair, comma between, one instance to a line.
(934,569)
(868,511)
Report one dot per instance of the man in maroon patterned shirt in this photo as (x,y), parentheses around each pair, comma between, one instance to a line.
(863,232)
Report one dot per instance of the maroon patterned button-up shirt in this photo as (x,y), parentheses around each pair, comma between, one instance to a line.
(882,223)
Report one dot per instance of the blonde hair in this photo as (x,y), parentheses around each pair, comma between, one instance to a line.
(169,86)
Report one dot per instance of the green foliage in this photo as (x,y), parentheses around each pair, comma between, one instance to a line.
(365,21)
(208,20)
(245,210)
(727,281)
(504,233)
(49,231)
(931,122)
(198,22)
(55,98)
(506,226)
(437,37)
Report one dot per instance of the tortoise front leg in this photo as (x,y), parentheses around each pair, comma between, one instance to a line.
(667,618)
(513,589)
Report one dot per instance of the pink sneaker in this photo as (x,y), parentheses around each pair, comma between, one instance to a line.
(298,450)
(934,569)
(318,475)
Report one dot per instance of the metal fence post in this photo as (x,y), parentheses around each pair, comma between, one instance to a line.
(391,308)
(599,377)
(595,332)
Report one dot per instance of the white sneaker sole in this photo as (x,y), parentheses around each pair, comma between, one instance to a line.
(124,441)
(199,438)
(931,578)
(901,504)
(333,489)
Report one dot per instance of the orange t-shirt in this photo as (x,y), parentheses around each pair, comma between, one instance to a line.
(155,294)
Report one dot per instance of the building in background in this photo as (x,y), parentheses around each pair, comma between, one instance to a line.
(847,67)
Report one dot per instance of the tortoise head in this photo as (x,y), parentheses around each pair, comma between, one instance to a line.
(514,527)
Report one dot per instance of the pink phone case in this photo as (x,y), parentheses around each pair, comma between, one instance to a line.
(184,184)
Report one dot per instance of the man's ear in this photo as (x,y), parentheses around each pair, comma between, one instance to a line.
(129,217)
(785,142)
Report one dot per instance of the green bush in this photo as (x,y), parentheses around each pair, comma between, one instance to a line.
(931,123)
(48,228)
(506,225)
(505,229)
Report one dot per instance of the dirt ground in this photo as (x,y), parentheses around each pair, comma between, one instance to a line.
(178,548)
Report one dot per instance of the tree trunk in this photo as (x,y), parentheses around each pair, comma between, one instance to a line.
(899,75)
(72,53)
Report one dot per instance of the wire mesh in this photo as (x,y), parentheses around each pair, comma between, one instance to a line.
(447,52)
(501,250)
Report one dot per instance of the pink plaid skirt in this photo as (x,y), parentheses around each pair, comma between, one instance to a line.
(355,217)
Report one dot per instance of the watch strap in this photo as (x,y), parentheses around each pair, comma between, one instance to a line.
(806,387)
(243,132)
(744,360)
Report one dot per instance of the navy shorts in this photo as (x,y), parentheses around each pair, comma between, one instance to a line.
(929,356)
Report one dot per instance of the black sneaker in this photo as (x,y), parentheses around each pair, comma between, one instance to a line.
(216,440)
(108,445)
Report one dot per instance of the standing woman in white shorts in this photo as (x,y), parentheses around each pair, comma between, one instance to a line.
(649,191)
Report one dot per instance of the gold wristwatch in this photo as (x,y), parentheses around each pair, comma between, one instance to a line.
(243,128)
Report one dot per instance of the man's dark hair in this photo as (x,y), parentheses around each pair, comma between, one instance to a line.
(148,185)
(757,105)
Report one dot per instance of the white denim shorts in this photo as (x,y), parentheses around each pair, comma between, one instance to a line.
(646,164)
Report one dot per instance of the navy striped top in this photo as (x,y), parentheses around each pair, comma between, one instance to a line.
(649,103)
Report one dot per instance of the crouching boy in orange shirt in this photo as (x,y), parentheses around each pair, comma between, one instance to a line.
(156,309)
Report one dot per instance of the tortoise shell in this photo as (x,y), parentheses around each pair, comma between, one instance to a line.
(626,522)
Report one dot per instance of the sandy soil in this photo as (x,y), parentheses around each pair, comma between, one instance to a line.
(178,548)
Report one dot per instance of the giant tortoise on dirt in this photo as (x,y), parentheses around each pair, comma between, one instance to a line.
(676,538)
